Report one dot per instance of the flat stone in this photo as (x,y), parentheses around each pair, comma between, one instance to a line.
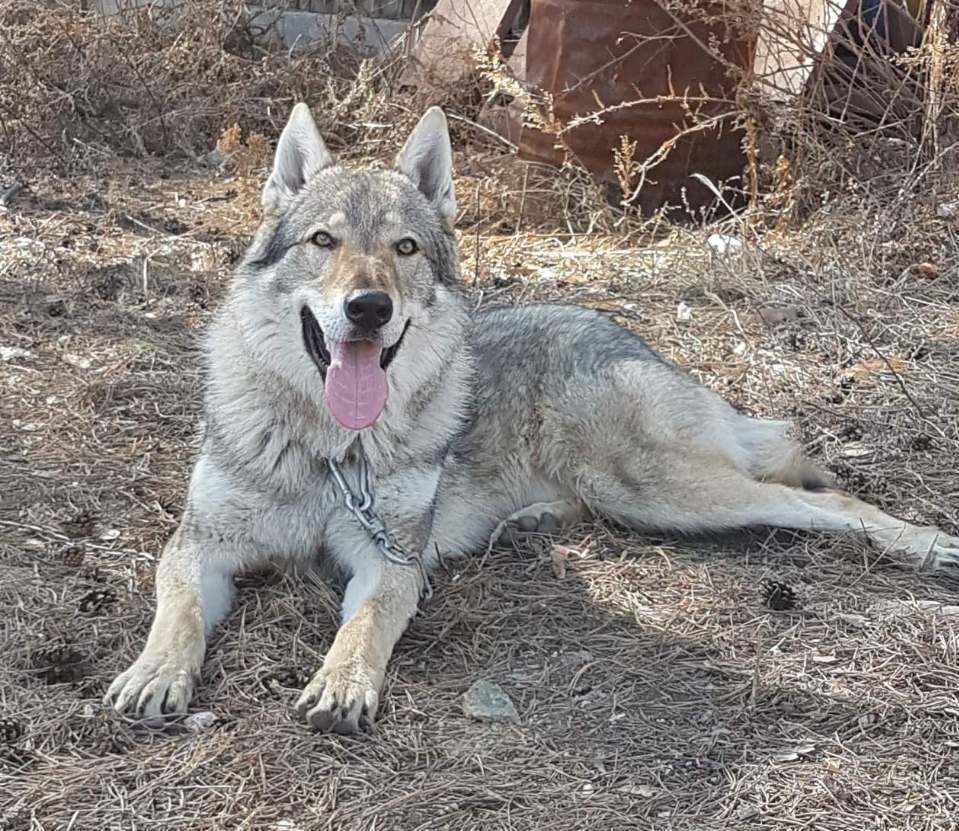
(486,701)
(11,353)
(198,722)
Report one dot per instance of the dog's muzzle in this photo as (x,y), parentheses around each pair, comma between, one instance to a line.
(316,347)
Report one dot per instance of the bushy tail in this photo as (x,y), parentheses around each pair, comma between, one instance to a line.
(774,457)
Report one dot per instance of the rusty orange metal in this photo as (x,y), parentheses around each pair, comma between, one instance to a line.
(601,55)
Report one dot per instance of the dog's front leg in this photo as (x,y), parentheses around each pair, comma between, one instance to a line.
(194,590)
(379,602)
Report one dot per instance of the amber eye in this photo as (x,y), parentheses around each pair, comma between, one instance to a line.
(323,240)
(407,246)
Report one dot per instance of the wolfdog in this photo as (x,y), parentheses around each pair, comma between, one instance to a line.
(356,405)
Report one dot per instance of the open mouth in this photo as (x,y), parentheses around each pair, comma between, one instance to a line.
(316,344)
(313,339)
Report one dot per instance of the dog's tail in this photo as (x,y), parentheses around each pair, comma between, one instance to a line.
(773,456)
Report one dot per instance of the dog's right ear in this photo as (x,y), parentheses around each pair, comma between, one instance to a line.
(427,159)
(300,155)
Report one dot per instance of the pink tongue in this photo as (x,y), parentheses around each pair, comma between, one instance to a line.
(355,384)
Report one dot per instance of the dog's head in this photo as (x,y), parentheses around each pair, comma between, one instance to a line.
(353,260)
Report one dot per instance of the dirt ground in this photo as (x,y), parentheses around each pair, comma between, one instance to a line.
(656,686)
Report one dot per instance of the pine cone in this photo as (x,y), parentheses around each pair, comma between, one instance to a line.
(95,600)
(73,556)
(10,730)
(779,596)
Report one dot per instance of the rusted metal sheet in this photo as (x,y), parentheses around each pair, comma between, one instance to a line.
(859,83)
(601,55)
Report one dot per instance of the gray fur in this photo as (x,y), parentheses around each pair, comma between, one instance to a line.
(514,418)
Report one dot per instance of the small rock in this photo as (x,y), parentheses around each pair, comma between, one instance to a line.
(10,353)
(486,701)
(215,158)
(684,311)
(198,722)
(725,245)
(78,361)
(778,315)
(948,210)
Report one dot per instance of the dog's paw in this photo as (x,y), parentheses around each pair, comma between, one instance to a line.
(152,687)
(339,696)
(540,518)
(935,550)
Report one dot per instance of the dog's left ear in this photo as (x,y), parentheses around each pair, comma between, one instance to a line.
(427,159)
(300,154)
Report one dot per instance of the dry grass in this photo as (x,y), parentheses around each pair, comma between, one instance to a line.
(655,687)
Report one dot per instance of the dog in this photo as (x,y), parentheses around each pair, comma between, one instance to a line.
(355,405)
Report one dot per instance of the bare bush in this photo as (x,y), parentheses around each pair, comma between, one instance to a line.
(165,79)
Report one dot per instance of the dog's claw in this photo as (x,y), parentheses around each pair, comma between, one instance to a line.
(339,698)
(152,688)
(941,550)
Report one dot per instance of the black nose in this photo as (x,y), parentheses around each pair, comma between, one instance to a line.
(371,310)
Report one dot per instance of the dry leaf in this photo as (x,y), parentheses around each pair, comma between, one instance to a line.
(928,271)
(559,554)
(877,366)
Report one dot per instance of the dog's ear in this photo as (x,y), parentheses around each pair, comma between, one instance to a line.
(427,159)
(300,154)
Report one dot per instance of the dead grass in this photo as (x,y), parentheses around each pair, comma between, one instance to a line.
(655,687)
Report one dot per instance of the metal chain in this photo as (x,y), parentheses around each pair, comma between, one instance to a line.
(362,508)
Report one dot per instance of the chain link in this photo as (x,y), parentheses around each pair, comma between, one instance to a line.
(373,522)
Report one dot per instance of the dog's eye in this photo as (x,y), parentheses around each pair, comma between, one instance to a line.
(323,240)
(407,246)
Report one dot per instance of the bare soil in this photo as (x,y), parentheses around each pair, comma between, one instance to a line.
(656,686)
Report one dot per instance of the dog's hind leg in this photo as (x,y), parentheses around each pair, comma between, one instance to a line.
(687,494)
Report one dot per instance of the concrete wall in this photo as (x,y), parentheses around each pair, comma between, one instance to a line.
(384,9)
(369,25)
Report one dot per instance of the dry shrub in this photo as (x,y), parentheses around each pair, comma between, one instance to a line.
(166,80)
(877,124)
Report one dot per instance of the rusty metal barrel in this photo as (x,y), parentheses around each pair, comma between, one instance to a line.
(592,55)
